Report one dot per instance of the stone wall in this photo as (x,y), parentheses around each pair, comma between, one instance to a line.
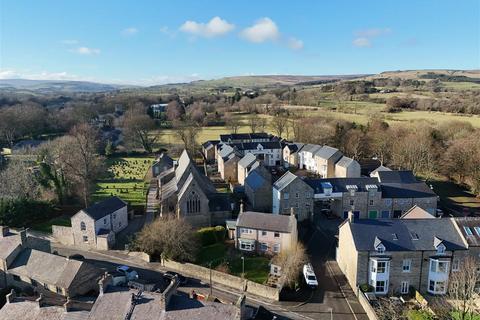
(64,235)
(366,305)
(223,279)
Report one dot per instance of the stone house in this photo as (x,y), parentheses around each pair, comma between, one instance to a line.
(187,193)
(51,273)
(369,198)
(230,168)
(325,159)
(244,166)
(394,255)
(291,154)
(161,164)
(347,168)
(96,226)
(292,192)
(306,157)
(258,189)
(209,150)
(265,233)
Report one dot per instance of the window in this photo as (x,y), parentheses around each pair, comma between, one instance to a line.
(105,221)
(246,230)
(477,230)
(381,266)
(406,265)
(441,249)
(352,202)
(114,216)
(276,247)
(263,246)
(381,249)
(468,231)
(285,195)
(307,195)
(296,205)
(276,234)
(85,239)
(436,286)
(247,246)
(16,278)
(455,264)
(83,226)
(438,266)
(193,203)
(380,286)
(404,287)
(371,202)
(264,233)
(296,195)
(352,192)
(120,224)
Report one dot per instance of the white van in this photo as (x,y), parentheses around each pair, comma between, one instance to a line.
(309,275)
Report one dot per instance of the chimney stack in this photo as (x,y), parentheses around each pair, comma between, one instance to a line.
(241,206)
(241,305)
(11,296)
(104,283)
(4,230)
(351,216)
(292,211)
(23,236)
(40,301)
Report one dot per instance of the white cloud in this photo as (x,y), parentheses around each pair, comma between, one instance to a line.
(362,42)
(364,38)
(213,28)
(166,31)
(129,31)
(86,51)
(44,75)
(295,44)
(264,29)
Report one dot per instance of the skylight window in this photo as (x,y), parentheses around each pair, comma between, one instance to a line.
(395,237)
(414,235)
(477,230)
(468,231)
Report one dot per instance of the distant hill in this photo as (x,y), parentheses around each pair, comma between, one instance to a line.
(263,81)
(423,74)
(55,86)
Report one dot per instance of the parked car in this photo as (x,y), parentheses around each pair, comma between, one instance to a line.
(118,278)
(129,273)
(328,213)
(170,274)
(309,276)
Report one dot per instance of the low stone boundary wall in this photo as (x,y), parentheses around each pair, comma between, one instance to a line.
(140,255)
(366,305)
(225,279)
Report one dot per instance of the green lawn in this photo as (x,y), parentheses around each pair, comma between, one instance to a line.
(456,316)
(46,226)
(256,267)
(125,177)
(451,193)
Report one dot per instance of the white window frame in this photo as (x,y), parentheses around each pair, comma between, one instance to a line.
(276,247)
(264,233)
(384,286)
(85,238)
(435,288)
(407,265)
(276,234)
(246,230)
(404,287)
(441,249)
(263,246)
(456,264)
(286,196)
(247,246)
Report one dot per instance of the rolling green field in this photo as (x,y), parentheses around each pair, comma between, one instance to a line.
(125,177)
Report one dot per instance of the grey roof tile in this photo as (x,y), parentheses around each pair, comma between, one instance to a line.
(265,221)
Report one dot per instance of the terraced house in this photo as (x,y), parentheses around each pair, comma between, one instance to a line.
(290,192)
(394,255)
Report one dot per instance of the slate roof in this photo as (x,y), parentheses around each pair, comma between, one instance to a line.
(380,168)
(219,202)
(364,232)
(247,160)
(254,145)
(46,268)
(164,160)
(257,179)
(312,148)
(340,184)
(103,208)
(284,180)
(265,221)
(210,144)
(327,152)
(396,176)
(294,147)
(9,244)
(407,190)
(244,136)
(344,162)
(25,309)
(473,223)
(225,150)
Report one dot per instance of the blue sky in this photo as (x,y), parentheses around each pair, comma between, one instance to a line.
(153,42)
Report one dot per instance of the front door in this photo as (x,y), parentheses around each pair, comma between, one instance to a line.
(372,214)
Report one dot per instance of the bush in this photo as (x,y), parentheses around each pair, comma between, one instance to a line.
(211,235)
(366,287)
(419,315)
(24,212)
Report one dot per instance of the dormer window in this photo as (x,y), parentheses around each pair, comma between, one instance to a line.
(441,249)
(381,249)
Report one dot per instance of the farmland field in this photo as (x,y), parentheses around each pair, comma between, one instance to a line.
(125,177)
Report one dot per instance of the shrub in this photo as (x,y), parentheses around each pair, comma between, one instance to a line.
(366,287)
(419,315)
(211,235)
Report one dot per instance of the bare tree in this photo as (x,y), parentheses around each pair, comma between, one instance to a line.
(462,286)
(174,110)
(80,160)
(188,133)
(170,237)
(355,144)
(232,122)
(291,262)
(138,125)
(18,181)
(279,125)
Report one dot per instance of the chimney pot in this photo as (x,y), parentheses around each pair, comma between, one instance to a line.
(351,216)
